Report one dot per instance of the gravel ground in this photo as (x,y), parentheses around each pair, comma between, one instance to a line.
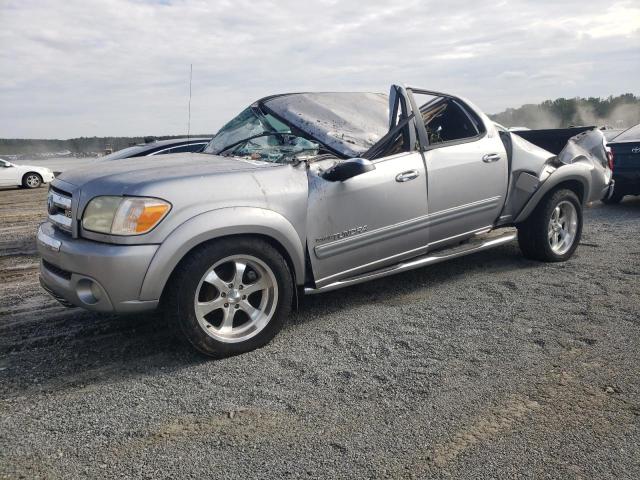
(489,366)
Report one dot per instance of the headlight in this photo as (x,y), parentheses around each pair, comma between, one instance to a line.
(124,215)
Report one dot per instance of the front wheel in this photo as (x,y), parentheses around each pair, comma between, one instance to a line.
(230,296)
(552,232)
(31,180)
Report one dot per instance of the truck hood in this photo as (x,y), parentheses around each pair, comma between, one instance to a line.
(193,184)
(157,168)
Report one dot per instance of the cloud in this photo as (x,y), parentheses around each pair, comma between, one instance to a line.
(121,67)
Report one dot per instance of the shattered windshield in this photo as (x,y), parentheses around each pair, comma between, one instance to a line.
(257,136)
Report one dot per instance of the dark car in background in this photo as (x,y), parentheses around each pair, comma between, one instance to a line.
(625,163)
(160,147)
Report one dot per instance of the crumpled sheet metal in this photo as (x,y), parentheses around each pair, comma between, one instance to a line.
(349,123)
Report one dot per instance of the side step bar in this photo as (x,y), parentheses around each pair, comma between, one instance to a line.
(434,257)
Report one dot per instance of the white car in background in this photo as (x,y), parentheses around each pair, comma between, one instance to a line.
(26,176)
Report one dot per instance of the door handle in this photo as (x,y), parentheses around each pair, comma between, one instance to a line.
(406,176)
(491,157)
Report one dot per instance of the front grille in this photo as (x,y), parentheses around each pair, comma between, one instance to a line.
(56,270)
(59,209)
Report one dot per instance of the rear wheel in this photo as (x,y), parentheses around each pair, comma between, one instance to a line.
(615,199)
(230,296)
(31,180)
(552,232)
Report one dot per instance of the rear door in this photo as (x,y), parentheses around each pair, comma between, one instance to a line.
(467,166)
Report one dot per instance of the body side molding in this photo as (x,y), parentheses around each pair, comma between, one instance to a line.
(372,236)
(428,259)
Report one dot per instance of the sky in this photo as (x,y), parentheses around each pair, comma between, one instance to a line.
(71,68)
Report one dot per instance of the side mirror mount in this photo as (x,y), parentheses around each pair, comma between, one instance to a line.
(348,169)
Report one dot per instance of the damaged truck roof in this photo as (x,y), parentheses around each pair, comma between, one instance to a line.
(349,123)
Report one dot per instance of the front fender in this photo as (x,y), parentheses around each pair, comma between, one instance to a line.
(575,172)
(215,224)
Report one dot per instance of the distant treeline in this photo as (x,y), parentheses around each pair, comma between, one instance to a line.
(24,146)
(618,112)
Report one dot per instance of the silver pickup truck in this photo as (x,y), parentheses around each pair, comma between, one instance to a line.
(305,193)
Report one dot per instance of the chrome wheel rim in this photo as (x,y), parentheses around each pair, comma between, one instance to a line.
(236,298)
(33,181)
(563,226)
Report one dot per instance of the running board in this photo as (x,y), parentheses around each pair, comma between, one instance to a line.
(434,257)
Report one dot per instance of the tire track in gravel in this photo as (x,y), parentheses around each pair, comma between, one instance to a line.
(489,366)
(559,398)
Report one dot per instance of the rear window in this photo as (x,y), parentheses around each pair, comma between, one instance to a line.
(632,134)
(192,147)
(126,152)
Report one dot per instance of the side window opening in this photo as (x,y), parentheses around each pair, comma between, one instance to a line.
(446,121)
(397,139)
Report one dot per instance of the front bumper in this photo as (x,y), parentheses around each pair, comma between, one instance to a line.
(93,275)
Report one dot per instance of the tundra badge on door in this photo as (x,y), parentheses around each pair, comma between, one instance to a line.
(343,234)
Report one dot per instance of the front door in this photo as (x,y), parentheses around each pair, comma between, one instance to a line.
(7,174)
(368,221)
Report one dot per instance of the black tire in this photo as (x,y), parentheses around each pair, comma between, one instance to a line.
(533,234)
(614,200)
(180,294)
(31,180)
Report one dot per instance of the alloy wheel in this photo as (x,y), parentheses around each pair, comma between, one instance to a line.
(563,226)
(236,298)
(33,181)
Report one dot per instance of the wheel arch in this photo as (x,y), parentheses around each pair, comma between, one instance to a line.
(29,172)
(576,186)
(266,225)
(574,177)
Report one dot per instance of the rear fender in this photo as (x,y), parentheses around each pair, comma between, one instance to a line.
(215,224)
(574,174)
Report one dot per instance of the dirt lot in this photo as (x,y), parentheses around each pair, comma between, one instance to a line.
(490,366)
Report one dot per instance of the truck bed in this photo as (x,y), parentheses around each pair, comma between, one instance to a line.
(551,139)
